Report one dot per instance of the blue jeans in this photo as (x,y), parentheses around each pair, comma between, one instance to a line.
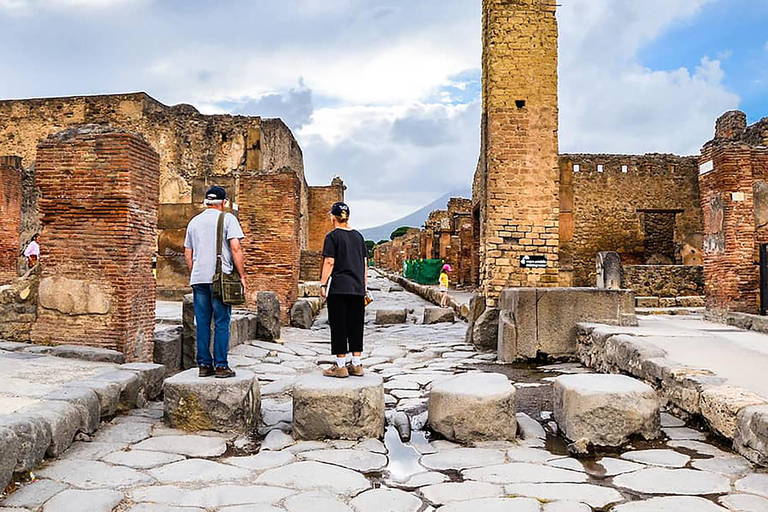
(207,307)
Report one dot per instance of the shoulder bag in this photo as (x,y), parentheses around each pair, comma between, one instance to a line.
(228,288)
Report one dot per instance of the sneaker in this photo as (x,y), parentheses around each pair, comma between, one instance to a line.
(205,371)
(340,372)
(224,372)
(355,371)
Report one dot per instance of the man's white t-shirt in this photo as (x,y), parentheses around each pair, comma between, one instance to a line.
(32,249)
(201,238)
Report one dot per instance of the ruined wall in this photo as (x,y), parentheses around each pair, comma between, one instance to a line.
(99,189)
(663,280)
(311,265)
(270,204)
(520,144)
(10,216)
(320,201)
(611,202)
(172,272)
(733,180)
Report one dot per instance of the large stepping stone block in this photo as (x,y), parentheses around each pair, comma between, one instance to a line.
(473,407)
(391,316)
(329,408)
(224,405)
(438,315)
(606,410)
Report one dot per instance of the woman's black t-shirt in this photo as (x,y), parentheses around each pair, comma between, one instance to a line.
(347,248)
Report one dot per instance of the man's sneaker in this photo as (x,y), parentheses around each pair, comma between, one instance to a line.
(205,371)
(224,372)
(336,371)
(355,371)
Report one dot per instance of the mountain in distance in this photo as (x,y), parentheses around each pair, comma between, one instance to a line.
(414,220)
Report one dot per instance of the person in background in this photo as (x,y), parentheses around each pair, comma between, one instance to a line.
(344,282)
(444,285)
(32,252)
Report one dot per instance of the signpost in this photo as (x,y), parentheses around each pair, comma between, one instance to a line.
(535,261)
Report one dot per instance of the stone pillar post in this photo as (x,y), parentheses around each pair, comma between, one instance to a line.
(608,267)
(99,196)
(10,216)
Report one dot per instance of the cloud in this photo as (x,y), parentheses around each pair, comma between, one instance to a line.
(29,6)
(295,106)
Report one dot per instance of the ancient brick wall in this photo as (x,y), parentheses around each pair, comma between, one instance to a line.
(320,201)
(99,189)
(270,203)
(519,167)
(663,280)
(10,216)
(311,265)
(614,202)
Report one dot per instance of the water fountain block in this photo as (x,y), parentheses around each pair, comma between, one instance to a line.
(473,407)
(224,405)
(605,410)
(329,408)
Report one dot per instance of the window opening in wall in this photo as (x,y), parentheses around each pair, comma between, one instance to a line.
(576,167)
(673,168)
(520,103)
(624,168)
(599,167)
(659,246)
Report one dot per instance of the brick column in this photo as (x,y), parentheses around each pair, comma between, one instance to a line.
(270,218)
(320,201)
(99,195)
(521,144)
(10,216)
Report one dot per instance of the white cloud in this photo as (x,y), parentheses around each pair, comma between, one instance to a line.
(28,6)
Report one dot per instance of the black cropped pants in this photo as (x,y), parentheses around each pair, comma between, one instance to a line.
(346,316)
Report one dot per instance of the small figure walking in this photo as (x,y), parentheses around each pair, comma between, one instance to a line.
(444,285)
(32,252)
(344,282)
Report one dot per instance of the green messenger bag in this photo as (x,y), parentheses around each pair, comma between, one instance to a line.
(228,288)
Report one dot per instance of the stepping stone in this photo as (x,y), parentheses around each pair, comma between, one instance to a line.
(744,502)
(494,505)
(473,407)
(87,474)
(593,495)
(78,501)
(663,458)
(308,475)
(389,500)
(671,504)
(198,470)
(124,433)
(328,408)
(605,410)
(460,491)
(315,502)
(191,446)
(358,460)
(754,484)
(438,316)
(674,481)
(523,472)
(462,458)
(141,459)
(391,316)
(225,405)
(423,479)
(566,506)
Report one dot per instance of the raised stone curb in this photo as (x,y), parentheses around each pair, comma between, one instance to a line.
(438,316)
(425,292)
(101,355)
(151,375)
(751,436)
(473,407)
(328,408)
(391,316)
(193,403)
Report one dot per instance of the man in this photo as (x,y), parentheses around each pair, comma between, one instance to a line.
(32,252)
(200,253)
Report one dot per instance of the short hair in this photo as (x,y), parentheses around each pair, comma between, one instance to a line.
(34,237)
(214,202)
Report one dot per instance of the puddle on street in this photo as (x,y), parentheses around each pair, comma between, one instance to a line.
(403,457)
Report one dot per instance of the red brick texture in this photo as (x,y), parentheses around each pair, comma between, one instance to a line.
(99,191)
(269,215)
(10,216)
(320,201)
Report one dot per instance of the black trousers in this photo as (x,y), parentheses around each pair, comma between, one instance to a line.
(346,316)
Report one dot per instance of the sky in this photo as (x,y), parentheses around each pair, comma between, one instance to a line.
(386,93)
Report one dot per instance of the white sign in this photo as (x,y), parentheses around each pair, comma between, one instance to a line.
(706,167)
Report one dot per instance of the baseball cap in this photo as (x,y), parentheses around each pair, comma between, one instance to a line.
(447,268)
(216,193)
(338,209)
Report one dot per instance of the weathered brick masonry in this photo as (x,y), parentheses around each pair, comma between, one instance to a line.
(517,185)
(99,189)
(320,201)
(10,216)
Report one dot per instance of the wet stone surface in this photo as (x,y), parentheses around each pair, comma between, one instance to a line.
(136,463)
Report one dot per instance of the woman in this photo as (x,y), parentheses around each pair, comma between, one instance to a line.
(32,252)
(444,285)
(343,283)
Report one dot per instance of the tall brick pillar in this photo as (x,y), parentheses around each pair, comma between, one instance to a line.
(521,207)
(99,195)
(270,217)
(10,216)
(320,201)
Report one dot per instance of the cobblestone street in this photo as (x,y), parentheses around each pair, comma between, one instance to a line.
(134,462)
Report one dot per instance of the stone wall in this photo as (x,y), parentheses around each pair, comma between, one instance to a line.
(270,204)
(663,280)
(311,265)
(10,216)
(645,207)
(734,200)
(99,189)
(518,172)
(18,306)
(320,201)
(172,272)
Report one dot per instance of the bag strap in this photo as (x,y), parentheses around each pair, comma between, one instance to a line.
(219,236)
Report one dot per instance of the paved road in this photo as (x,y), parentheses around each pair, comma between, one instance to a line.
(737,355)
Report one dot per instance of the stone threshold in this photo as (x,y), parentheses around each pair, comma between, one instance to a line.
(426,292)
(736,414)
(749,322)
